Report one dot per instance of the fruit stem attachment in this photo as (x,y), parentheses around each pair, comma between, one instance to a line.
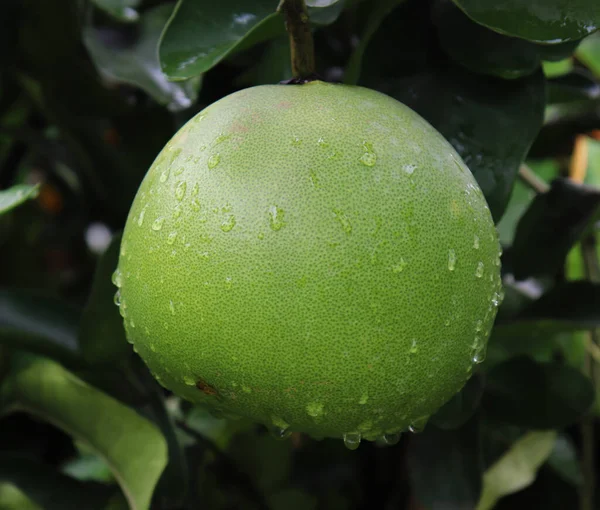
(301,40)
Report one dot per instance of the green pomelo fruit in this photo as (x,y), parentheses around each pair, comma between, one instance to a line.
(313,257)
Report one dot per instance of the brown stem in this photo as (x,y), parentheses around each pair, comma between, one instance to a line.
(527,175)
(301,40)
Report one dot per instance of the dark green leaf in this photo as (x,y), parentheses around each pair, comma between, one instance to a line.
(588,52)
(11,498)
(137,63)
(51,489)
(101,332)
(123,10)
(224,26)
(15,196)
(569,306)
(320,3)
(517,468)
(445,467)
(459,409)
(574,86)
(132,446)
(460,104)
(554,222)
(524,393)
(544,21)
(326,14)
(39,324)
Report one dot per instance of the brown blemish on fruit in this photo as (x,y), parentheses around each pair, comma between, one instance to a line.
(238,127)
(283,105)
(206,388)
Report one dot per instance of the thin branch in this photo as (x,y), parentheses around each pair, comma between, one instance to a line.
(301,39)
(528,176)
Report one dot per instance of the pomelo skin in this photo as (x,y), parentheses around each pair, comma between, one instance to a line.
(313,257)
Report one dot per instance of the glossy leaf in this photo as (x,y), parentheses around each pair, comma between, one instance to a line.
(517,468)
(225,26)
(525,393)
(554,222)
(133,447)
(544,21)
(445,467)
(101,332)
(320,3)
(137,64)
(15,196)
(461,407)
(39,324)
(588,52)
(51,489)
(123,10)
(571,87)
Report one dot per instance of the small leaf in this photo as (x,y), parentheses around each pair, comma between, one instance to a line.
(225,26)
(543,21)
(39,324)
(563,460)
(137,63)
(101,332)
(588,52)
(123,10)
(51,489)
(517,468)
(11,498)
(445,467)
(554,222)
(133,447)
(524,393)
(15,196)
(459,409)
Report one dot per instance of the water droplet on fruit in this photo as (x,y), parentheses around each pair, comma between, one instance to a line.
(261,235)
(322,143)
(228,224)
(314,178)
(369,158)
(131,323)
(172,307)
(451,260)
(177,211)
(363,399)
(418,425)
(213,160)
(279,433)
(341,217)
(158,223)
(352,440)
(195,189)
(479,270)
(117,278)
(165,174)
(315,409)
(409,169)
(189,381)
(276,218)
(296,141)
(221,138)
(392,439)
(117,298)
(172,237)
(478,326)
(399,267)
(414,347)
(478,350)
(180,190)
(141,218)
(179,170)
(476,242)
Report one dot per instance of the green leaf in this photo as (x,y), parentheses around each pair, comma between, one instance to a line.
(517,468)
(543,21)
(577,85)
(588,52)
(11,498)
(563,460)
(123,10)
(445,467)
(137,63)
(493,53)
(101,332)
(51,489)
(15,196)
(550,227)
(224,27)
(525,393)
(132,446)
(40,324)
(554,69)
(459,409)
(320,3)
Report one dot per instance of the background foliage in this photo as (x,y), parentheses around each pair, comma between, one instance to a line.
(91,90)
